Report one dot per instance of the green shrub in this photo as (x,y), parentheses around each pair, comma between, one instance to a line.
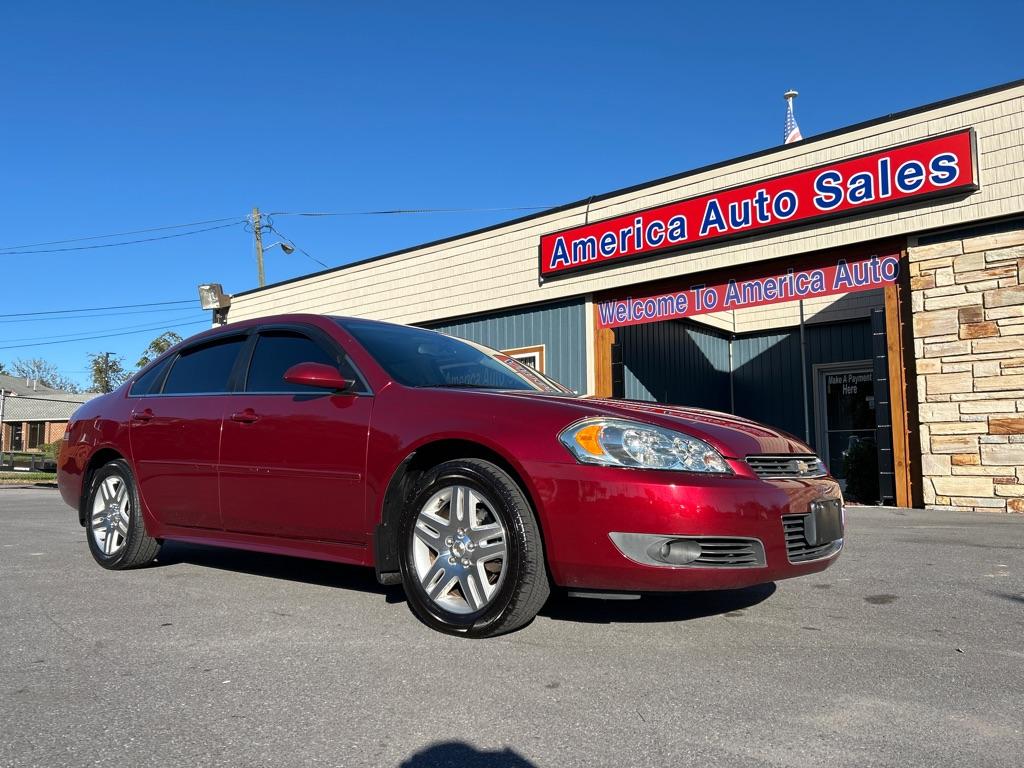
(50,450)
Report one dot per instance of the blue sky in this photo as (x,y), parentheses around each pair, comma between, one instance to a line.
(125,116)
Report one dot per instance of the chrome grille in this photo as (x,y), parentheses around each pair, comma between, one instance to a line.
(797,548)
(786,465)
(730,552)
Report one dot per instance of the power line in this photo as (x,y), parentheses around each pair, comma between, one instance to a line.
(65,318)
(168,320)
(123,242)
(228,221)
(106,336)
(98,309)
(31,248)
(122,234)
(399,211)
(300,249)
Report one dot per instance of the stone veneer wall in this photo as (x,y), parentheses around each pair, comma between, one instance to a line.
(968,307)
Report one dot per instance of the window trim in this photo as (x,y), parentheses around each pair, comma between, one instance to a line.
(240,368)
(316,335)
(158,383)
(199,344)
(537,350)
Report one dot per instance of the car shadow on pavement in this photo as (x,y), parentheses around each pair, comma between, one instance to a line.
(319,572)
(651,607)
(458,754)
(656,607)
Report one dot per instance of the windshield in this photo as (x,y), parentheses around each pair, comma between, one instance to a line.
(419,358)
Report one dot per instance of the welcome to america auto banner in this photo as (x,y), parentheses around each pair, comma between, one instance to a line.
(845,276)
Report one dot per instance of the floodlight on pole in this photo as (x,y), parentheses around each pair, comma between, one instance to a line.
(212,297)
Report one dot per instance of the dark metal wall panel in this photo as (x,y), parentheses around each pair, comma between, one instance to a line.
(561,328)
(766,370)
(675,362)
(766,379)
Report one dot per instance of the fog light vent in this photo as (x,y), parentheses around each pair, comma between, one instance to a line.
(690,551)
(677,551)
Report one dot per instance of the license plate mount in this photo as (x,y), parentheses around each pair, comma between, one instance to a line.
(825,523)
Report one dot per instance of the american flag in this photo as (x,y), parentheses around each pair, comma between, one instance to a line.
(792,132)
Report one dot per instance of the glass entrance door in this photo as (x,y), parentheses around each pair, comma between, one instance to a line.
(16,437)
(845,400)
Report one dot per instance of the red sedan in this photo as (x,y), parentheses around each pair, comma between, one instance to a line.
(467,476)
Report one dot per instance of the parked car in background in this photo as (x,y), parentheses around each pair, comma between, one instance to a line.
(471,478)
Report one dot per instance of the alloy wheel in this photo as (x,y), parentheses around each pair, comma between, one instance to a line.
(111,511)
(459,549)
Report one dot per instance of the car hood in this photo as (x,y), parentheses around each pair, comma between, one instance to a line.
(733,436)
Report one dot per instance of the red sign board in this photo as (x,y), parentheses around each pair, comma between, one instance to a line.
(943,165)
(842,277)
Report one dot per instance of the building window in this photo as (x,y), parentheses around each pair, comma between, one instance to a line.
(532,356)
(36,435)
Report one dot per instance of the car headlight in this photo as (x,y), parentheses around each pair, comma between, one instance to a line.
(621,443)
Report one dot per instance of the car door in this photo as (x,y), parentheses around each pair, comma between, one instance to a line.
(175,432)
(293,458)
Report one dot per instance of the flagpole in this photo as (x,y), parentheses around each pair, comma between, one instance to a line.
(792,132)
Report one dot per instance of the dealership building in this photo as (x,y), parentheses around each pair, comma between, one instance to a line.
(860,289)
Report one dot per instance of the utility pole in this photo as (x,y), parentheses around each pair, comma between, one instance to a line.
(257,233)
(3,398)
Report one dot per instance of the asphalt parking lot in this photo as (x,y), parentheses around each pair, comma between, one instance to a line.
(908,652)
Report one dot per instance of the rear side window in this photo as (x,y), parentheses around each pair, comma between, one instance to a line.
(150,380)
(203,369)
(277,351)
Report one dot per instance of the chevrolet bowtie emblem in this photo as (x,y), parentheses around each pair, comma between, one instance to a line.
(801,467)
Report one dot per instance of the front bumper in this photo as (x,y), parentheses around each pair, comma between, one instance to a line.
(581,506)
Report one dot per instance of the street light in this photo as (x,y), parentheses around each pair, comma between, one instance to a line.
(288,249)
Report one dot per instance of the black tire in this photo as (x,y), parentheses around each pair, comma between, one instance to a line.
(138,547)
(524,587)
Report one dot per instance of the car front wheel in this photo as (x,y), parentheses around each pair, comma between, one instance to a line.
(471,556)
(115,529)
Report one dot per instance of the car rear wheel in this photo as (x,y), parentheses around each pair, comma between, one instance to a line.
(114,526)
(471,556)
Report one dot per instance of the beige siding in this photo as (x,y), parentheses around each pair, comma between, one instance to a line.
(498,268)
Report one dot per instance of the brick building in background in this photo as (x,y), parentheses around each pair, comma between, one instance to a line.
(34,415)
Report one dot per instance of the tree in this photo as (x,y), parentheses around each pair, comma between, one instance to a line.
(3,370)
(157,347)
(107,372)
(46,373)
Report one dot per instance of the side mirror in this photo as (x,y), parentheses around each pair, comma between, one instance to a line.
(318,375)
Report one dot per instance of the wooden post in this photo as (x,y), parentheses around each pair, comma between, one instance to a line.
(604,338)
(895,338)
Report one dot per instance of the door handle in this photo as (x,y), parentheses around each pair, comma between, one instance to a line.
(248,416)
(146,415)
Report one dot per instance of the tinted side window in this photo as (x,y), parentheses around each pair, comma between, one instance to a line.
(145,383)
(277,351)
(203,369)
